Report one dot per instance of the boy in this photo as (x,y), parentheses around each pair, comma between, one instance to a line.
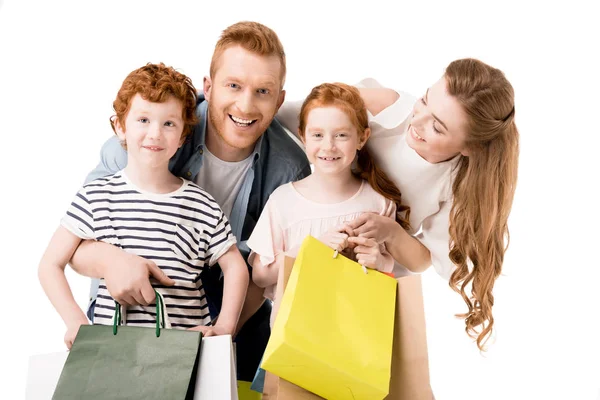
(146,210)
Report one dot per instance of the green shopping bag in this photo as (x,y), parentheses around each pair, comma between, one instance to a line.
(128,362)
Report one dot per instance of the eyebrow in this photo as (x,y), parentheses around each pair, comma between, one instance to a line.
(434,116)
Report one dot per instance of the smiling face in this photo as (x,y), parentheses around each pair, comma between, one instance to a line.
(437,130)
(243,96)
(152,131)
(331,140)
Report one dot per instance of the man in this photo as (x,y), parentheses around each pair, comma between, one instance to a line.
(239,154)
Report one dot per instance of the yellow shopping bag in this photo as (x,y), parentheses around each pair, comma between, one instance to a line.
(333,334)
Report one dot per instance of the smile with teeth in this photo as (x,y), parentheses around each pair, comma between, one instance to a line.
(242,122)
(329,158)
(153,148)
(414,133)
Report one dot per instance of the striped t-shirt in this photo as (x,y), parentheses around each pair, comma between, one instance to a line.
(182,232)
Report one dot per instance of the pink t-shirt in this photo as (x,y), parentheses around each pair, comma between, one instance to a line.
(288,218)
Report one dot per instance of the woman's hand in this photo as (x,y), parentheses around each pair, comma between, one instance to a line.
(373,226)
(368,253)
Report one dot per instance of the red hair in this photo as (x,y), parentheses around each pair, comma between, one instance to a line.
(347,99)
(156,83)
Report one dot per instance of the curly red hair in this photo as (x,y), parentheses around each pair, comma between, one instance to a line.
(155,83)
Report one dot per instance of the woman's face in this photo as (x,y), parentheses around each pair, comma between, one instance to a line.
(437,131)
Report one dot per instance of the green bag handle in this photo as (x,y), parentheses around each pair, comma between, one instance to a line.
(160,314)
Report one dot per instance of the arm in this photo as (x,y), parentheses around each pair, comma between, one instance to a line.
(378,99)
(51,273)
(254,300)
(235,279)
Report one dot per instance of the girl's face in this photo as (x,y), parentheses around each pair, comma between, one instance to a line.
(332,140)
(437,131)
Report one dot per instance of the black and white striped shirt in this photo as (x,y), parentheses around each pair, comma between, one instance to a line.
(182,232)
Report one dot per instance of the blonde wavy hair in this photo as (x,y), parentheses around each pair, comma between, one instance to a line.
(483,189)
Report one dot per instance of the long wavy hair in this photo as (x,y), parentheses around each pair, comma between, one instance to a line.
(483,189)
(347,99)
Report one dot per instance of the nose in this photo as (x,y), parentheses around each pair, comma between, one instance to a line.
(245,102)
(328,143)
(154,131)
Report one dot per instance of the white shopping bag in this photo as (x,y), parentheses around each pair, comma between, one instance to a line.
(216,378)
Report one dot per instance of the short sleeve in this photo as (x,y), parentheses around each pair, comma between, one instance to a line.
(79,219)
(267,239)
(221,240)
(435,236)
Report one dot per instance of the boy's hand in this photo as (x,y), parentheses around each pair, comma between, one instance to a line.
(72,330)
(128,280)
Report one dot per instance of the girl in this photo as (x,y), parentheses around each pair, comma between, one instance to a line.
(334,129)
(454,154)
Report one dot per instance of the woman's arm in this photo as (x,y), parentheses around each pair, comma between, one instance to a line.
(378,99)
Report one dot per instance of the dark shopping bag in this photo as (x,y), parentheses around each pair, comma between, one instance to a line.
(128,362)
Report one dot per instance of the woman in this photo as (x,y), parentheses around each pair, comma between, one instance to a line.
(453,154)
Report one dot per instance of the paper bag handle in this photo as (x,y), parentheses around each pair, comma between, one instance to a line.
(162,318)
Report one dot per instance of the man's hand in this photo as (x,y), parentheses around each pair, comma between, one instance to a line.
(128,279)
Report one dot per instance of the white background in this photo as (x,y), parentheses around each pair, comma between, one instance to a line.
(62,63)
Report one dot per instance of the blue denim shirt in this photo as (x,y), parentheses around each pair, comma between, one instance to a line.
(277,160)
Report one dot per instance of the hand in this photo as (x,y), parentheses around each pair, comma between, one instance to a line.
(208,331)
(368,253)
(337,238)
(372,226)
(128,280)
(72,330)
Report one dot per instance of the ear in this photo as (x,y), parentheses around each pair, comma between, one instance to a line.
(301,137)
(119,129)
(207,86)
(465,151)
(280,100)
(365,136)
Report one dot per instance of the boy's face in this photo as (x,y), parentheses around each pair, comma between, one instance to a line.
(152,131)
(243,96)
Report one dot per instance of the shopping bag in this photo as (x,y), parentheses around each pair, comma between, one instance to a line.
(410,367)
(127,362)
(216,377)
(333,333)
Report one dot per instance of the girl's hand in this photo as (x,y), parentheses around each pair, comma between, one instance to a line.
(336,238)
(72,330)
(368,253)
(373,226)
